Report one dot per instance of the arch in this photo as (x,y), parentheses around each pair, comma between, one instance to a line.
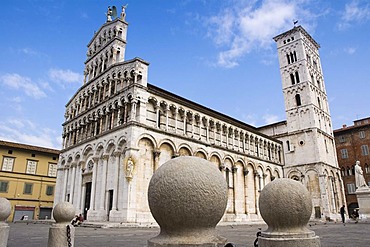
(168,142)
(148,136)
(167,152)
(99,149)
(201,153)
(110,147)
(215,158)
(184,150)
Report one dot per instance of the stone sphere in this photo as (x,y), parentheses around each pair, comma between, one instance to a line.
(187,194)
(5,208)
(285,205)
(63,212)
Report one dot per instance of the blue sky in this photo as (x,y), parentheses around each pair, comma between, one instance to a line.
(217,53)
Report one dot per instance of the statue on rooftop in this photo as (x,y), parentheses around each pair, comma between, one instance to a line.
(123,12)
(111,13)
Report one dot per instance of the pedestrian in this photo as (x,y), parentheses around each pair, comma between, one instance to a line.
(342,213)
(355,215)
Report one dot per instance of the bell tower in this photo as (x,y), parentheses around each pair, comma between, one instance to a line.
(309,148)
(108,45)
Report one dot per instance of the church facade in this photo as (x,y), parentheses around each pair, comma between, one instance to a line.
(119,129)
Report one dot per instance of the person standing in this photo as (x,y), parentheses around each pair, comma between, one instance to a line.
(342,213)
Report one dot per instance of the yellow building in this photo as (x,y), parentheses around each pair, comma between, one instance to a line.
(27,179)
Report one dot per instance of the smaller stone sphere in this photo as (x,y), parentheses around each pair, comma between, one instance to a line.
(63,212)
(285,205)
(5,208)
(187,196)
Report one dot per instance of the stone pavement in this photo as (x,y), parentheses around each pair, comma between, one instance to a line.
(36,235)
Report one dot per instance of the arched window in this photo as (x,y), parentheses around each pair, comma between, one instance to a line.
(343,171)
(288,58)
(292,79)
(349,171)
(318,101)
(367,170)
(295,56)
(298,99)
(297,77)
(159,119)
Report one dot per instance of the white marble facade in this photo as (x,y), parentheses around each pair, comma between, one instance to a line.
(119,129)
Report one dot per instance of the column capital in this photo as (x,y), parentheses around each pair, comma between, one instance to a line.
(105,156)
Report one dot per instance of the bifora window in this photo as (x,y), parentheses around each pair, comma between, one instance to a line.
(31,167)
(52,171)
(8,163)
(365,150)
(351,188)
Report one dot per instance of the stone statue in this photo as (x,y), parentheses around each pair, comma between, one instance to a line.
(129,168)
(109,14)
(359,176)
(123,12)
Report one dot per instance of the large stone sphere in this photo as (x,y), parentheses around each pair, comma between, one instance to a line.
(5,208)
(63,212)
(187,197)
(285,206)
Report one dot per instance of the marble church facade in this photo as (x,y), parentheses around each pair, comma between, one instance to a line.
(119,129)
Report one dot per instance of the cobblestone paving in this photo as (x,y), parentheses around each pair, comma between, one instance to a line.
(36,235)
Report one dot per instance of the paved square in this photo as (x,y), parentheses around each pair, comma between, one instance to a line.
(36,235)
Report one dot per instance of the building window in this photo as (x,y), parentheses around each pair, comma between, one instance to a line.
(365,150)
(31,167)
(27,188)
(52,171)
(8,163)
(298,99)
(349,171)
(367,170)
(351,188)
(342,139)
(4,186)
(362,134)
(344,153)
(343,171)
(49,190)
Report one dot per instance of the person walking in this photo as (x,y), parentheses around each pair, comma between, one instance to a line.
(342,213)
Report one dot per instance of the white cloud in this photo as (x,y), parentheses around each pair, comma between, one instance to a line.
(241,28)
(27,132)
(65,76)
(355,12)
(25,84)
(350,50)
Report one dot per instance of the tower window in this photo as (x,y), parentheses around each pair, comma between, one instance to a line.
(288,145)
(292,79)
(298,99)
(288,58)
(297,77)
(318,101)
